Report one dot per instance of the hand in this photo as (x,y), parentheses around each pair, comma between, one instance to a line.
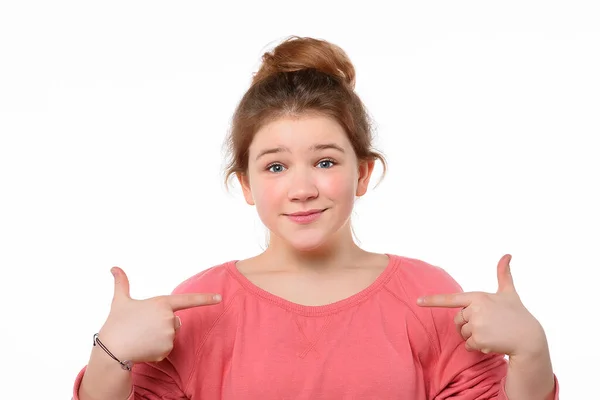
(144,330)
(493,322)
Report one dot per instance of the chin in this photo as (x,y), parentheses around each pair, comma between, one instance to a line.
(307,242)
(306,238)
(306,247)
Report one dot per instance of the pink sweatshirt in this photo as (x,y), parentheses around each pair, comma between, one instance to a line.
(377,344)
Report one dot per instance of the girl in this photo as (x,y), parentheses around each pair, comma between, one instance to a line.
(315,316)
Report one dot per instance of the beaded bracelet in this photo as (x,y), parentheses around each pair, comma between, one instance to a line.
(126,365)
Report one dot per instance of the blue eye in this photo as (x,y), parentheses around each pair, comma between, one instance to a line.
(276,168)
(326,163)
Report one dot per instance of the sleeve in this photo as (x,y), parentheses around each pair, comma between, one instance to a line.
(459,374)
(463,375)
(170,378)
(163,380)
(151,381)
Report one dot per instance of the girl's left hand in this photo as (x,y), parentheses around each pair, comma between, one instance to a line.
(493,322)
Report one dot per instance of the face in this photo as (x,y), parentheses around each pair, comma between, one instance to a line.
(303,177)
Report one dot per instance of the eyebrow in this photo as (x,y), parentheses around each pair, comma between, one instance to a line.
(316,147)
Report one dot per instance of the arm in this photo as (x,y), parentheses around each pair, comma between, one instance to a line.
(530,375)
(470,375)
(103,378)
(498,324)
(148,333)
(461,374)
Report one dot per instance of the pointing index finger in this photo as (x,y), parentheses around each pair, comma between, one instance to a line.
(452,300)
(190,300)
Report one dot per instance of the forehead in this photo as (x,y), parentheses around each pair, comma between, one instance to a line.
(299,133)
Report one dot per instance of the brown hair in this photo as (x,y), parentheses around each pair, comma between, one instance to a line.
(301,76)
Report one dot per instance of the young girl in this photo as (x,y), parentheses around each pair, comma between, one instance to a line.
(315,316)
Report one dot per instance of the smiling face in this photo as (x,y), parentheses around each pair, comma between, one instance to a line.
(303,177)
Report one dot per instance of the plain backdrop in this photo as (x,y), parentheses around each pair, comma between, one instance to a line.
(113,115)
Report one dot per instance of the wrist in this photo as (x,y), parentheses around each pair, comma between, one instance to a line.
(104,378)
(109,356)
(535,345)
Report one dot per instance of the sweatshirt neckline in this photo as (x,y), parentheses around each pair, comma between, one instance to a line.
(320,310)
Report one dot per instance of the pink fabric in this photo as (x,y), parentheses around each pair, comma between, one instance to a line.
(377,344)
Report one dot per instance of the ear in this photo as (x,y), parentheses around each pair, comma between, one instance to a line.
(365,169)
(245,183)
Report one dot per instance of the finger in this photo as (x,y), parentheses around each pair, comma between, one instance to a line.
(470,344)
(462,317)
(177,322)
(121,284)
(458,328)
(446,300)
(190,300)
(466,332)
(505,280)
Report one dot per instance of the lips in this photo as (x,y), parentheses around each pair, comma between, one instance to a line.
(305,213)
(305,217)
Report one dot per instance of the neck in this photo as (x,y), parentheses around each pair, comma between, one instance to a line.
(338,252)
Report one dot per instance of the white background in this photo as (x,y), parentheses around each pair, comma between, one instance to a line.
(112,117)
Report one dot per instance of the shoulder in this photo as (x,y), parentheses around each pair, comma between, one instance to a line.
(215,279)
(414,278)
(197,322)
(419,278)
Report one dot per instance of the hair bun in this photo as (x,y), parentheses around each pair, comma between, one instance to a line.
(297,53)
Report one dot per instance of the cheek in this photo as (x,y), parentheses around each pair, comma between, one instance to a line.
(267,195)
(340,185)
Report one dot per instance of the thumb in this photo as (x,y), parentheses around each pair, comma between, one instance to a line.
(121,284)
(505,280)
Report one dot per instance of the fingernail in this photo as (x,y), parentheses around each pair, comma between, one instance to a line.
(217,297)
(112,271)
(420,300)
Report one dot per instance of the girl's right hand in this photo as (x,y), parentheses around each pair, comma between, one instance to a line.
(144,330)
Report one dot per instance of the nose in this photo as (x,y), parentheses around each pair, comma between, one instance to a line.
(302,186)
